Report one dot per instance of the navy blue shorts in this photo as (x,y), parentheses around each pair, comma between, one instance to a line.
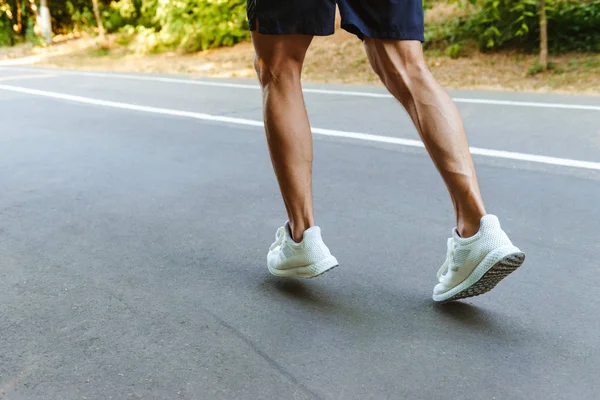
(382,19)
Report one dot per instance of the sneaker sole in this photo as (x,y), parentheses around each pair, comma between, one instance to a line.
(481,280)
(309,271)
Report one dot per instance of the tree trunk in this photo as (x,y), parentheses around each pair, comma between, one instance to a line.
(45,22)
(98,19)
(543,35)
(19,17)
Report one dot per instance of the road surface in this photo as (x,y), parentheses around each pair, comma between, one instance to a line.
(136,211)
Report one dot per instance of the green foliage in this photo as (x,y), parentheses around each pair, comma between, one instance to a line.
(427,4)
(140,39)
(572,24)
(456,30)
(80,19)
(187,26)
(501,21)
(575,25)
(6,31)
(152,25)
(73,15)
(147,14)
(119,14)
(201,24)
(454,51)
(537,68)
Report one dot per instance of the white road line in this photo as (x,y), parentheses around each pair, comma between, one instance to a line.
(319,131)
(21,77)
(527,104)
(534,104)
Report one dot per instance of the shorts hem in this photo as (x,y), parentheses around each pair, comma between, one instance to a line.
(363,33)
(271,27)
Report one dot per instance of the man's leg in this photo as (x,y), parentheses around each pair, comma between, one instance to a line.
(402,68)
(479,254)
(278,63)
(299,250)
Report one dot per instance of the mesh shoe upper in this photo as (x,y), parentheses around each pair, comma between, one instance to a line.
(285,253)
(465,254)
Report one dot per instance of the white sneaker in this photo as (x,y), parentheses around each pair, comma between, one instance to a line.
(475,265)
(307,259)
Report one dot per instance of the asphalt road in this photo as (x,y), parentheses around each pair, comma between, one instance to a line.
(133,244)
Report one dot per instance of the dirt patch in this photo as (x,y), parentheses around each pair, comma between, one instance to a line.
(336,59)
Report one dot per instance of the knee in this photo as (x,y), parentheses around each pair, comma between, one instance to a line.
(277,70)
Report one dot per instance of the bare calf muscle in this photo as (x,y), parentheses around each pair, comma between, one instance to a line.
(402,69)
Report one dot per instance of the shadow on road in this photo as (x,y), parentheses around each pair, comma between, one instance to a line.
(467,315)
(378,313)
(304,293)
(295,289)
(319,301)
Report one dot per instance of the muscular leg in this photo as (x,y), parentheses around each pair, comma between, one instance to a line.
(278,64)
(402,69)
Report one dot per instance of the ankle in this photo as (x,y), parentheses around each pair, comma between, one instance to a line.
(468,218)
(467,231)
(297,229)
(468,228)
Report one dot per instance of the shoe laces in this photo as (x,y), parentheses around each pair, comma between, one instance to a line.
(449,256)
(280,238)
